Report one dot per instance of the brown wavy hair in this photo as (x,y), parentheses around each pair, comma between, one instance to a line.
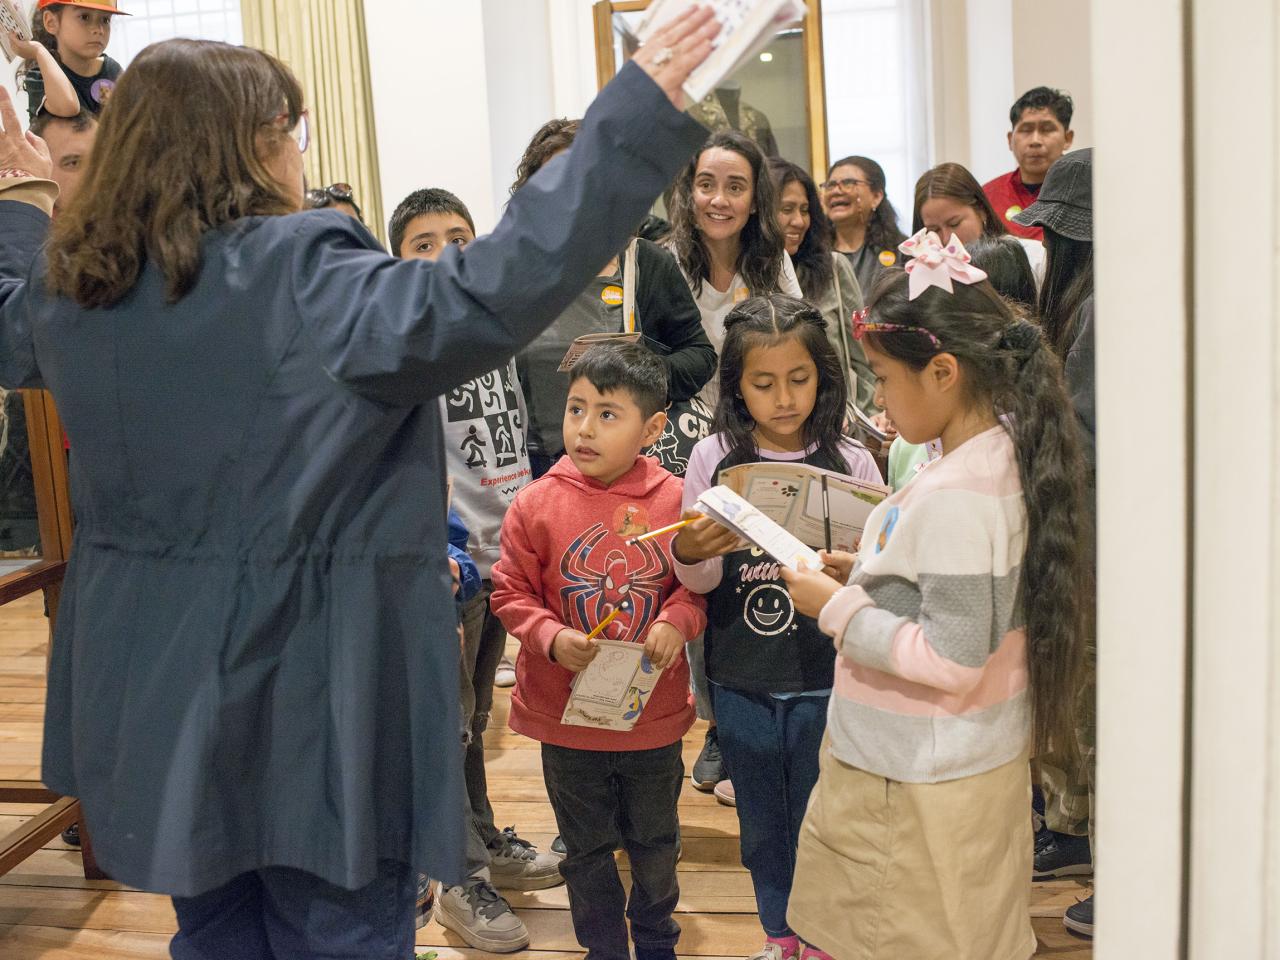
(179,153)
(1014,374)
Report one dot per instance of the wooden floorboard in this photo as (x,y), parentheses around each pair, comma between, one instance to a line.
(48,911)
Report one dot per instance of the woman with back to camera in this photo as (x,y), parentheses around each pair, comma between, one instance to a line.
(253,689)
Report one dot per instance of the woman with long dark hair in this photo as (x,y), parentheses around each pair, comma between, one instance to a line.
(253,690)
(826,277)
(724,230)
(866,225)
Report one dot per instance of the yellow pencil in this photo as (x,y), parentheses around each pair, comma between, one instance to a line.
(667,529)
(606,621)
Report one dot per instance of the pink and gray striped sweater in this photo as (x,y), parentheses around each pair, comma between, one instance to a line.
(931,677)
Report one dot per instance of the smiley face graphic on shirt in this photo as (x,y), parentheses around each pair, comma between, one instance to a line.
(768,610)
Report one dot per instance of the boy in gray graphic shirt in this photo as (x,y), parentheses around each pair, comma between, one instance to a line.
(484,430)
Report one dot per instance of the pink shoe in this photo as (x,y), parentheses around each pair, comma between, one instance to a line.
(813,953)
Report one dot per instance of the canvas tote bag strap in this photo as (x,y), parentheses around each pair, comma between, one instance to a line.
(630,322)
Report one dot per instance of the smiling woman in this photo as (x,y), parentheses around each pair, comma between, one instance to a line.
(725,231)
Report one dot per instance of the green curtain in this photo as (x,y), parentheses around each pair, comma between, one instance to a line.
(324,43)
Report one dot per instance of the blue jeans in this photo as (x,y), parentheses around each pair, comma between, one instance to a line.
(279,913)
(771,746)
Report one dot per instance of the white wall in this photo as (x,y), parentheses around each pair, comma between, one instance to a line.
(1052,48)
(986,54)
(1143,485)
(430,100)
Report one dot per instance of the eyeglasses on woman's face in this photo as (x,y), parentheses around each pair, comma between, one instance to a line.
(844,184)
(301,133)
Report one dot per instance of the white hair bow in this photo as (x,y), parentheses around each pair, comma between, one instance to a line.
(930,264)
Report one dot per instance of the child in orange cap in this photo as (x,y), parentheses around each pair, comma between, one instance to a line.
(76,32)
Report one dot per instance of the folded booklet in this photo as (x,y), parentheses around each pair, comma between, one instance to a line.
(611,692)
(589,340)
(819,507)
(728,509)
(746,27)
(12,21)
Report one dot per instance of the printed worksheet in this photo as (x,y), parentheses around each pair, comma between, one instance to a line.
(11,21)
(611,692)
(746,27)
(808,501)
(727,508)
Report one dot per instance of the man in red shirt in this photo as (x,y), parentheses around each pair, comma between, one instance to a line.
(1041,133)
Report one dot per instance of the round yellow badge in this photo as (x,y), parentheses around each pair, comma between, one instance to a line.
(1012,212)
(741,294)
(612,295)
(888,258)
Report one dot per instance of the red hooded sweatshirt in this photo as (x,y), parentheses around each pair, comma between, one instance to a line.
(565,563)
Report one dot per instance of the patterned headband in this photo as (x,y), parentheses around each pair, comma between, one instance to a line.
(863,326)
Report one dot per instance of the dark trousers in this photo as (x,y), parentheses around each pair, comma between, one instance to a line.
(606,800)
(280,913)
(772,747)
(484,639)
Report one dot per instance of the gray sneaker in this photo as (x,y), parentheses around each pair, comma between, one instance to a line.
(479,915)
(516,864)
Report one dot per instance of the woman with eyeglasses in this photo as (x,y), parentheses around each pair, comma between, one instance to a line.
(253,689)
(866,225)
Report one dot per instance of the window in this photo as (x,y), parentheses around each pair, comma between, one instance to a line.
(876,69)
(154,20)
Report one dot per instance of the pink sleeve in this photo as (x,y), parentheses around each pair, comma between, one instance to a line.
(862,465)
(914,658)
(704,576)
(517,598)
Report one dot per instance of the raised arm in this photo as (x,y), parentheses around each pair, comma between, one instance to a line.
(60,97)
(402,332)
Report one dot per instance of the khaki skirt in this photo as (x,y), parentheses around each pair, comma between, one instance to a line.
(916,871)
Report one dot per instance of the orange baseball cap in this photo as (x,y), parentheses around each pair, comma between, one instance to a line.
(106,6)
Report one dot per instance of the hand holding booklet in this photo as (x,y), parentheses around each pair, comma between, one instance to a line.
(746,27)
(730,510)
(611,692)
(819,507)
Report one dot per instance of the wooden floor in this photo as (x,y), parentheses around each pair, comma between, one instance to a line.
(48,911)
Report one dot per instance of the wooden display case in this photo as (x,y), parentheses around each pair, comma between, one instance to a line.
(778,99)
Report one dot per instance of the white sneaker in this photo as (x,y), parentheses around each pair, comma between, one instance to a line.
(772,951)
(506,675)
(477,913)
(516,864)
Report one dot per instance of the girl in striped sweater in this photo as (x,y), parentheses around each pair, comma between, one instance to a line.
(958,634)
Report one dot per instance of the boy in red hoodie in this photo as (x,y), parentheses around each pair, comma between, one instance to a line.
(566,565)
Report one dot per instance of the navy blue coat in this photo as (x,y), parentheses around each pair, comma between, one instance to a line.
(256,655)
